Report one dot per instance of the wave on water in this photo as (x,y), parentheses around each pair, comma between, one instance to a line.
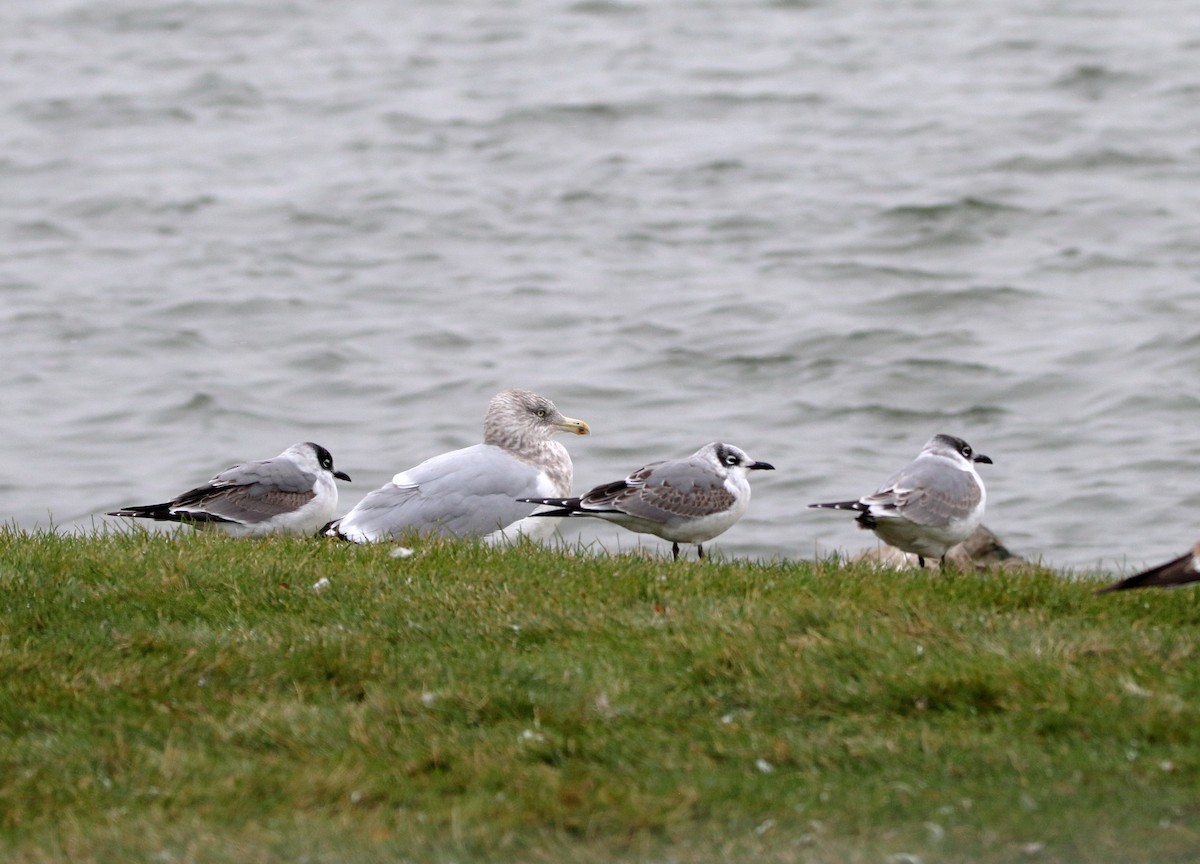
(1086,159)
(940,302)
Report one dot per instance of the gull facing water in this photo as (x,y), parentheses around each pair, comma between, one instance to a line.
(292,493)
(474,492)
(689,500)
(929,505)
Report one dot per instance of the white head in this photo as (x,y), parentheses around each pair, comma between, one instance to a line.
(313,459)
(733,460)
(955,449)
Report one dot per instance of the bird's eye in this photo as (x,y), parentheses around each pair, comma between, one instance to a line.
(731,460)
(966,451)
(541,412)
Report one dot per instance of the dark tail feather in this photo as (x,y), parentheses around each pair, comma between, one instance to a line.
(866,519)
(1177,572)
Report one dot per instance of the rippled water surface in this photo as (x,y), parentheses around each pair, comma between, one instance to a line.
(820,231)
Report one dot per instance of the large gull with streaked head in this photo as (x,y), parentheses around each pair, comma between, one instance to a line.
(473,492)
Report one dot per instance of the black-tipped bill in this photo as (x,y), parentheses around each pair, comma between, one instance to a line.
(342,475)
(761,466)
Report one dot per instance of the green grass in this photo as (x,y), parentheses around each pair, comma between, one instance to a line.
(192,698)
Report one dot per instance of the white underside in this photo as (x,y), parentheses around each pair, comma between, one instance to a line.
(694,530)
(706,527)
(924,540)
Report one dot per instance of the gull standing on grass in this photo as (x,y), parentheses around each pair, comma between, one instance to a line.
(689,500)
(473,492)
(1178,571)
(929,505)
(291,493)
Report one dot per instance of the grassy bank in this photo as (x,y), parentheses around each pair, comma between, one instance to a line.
(195,699)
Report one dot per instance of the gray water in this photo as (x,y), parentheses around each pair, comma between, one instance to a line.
(821,231)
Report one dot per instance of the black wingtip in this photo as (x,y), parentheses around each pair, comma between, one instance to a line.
(164,513)
(1140,581)
(158,512)
(562,511)
(562,506)
(1129,584)
(1180,571)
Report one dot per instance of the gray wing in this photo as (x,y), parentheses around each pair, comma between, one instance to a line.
(465,493)
(665,491)
(928,492)
(281,475)
(251,493)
